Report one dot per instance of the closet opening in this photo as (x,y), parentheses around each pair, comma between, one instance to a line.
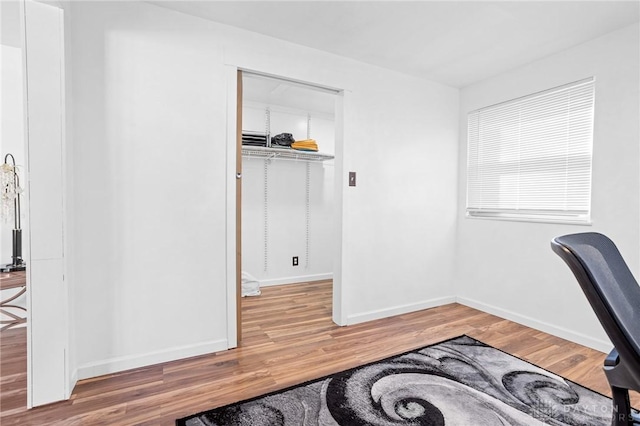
(286,230)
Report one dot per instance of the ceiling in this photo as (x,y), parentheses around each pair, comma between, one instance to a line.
(453,42)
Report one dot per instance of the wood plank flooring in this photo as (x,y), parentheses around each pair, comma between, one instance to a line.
(288,338)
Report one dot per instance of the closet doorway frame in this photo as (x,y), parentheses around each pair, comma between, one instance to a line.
(234,197)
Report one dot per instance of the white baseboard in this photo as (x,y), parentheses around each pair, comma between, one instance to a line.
(582,339)
(398,310)
(117,364)
(295,280)
(72,383)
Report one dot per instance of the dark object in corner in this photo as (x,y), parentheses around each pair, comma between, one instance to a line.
(614,295)
(282,139)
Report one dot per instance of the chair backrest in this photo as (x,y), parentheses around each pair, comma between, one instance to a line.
(610,287)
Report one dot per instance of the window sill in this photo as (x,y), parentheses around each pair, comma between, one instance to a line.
(533,219)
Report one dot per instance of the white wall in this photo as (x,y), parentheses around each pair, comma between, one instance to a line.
(286,221)
(149,149)
(149,166)
(399,222)
(508,268)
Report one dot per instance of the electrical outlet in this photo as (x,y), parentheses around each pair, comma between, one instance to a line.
(295,260)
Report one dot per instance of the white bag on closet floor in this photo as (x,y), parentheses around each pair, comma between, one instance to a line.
(250,285)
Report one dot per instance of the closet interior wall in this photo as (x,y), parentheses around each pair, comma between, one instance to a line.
(287,203)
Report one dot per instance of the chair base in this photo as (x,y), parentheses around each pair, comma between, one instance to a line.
(622,412)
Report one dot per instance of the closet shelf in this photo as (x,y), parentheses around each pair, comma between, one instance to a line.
(266,152)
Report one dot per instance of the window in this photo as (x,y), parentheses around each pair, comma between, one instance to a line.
(530,158)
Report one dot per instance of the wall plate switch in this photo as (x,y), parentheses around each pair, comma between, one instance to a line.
(295,260)
(352,178)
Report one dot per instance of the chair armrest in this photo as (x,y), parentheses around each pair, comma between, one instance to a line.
(612,359)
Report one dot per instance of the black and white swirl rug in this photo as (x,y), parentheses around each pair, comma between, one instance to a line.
(458,382)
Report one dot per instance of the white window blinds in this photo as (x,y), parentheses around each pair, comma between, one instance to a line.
(530,158)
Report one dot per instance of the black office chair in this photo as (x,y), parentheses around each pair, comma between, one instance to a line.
(614,296)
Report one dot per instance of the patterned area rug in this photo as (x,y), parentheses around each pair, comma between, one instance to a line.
(458,382)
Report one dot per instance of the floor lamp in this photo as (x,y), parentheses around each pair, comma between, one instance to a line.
(11,195)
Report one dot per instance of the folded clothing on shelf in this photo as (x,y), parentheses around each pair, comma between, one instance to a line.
(254,138)
(305,145)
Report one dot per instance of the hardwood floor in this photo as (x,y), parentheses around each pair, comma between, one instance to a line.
(288,338)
